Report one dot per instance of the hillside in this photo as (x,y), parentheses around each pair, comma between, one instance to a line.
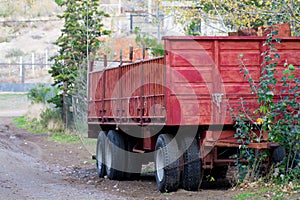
(28,27)
(28,30)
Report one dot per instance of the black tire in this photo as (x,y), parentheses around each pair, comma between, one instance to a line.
(115,155)
(134,161)
(100,154)
(278,154)
(167,172)
(192,172)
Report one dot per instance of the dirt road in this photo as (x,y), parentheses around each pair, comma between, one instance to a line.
(32,167)
(26,174)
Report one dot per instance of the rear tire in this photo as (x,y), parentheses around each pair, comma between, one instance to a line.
(167,172)
(100,154)
(278,154)
(115,155)
(192,173)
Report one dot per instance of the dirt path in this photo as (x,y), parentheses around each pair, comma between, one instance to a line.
(25,174)
(32,167)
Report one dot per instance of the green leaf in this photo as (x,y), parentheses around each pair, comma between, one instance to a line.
(277,55)
(291,67)
(291,76)
(275,32)
(286,71)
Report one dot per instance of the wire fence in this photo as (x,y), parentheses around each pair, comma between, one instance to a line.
(26,69)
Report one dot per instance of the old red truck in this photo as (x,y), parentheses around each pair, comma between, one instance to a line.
(174,109)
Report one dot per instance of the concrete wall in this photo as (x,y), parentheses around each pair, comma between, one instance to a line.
(16,87)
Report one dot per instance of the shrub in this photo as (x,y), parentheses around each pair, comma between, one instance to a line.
(276,114)
(40,94)
(51,119)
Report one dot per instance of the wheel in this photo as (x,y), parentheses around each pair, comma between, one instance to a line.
(192,172)
(100,154)
(115,155)
(167,172)
(134,161)
(278,154)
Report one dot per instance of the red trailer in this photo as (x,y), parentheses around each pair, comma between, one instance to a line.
(174,109)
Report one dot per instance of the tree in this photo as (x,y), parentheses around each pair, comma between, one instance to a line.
(151,44)
(234,14)
(79,39)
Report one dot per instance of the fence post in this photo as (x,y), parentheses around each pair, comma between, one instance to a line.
(9,68)
(32,63)
(22,70)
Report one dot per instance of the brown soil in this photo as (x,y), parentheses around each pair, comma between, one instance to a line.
(33,167)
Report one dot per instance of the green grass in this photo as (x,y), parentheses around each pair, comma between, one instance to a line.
(248,195)
(36,127)
(270,191)
(30,126)
(63,137)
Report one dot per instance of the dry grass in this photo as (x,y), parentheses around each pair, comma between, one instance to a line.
(54,125)
(39,75)
(50,121)
(25,8)
(34,111)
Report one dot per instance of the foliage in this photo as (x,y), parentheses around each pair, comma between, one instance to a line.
(262,190)
(37,127)
(33,126)
(51,119)
(193,28)
(79,39)
(59,2)
(14,53)
(6,10)
(240,14)
(39,94)
(277,113)
(151,44)
(64,137)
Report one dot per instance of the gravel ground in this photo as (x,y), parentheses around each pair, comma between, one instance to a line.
(33,167)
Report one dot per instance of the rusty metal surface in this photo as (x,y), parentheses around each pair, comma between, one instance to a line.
(129,94)
(194,84)
(205,77)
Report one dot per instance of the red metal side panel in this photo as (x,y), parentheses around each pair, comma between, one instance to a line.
(232,79)
(203,75)
(95,96)
(191,85)
(289,51)
(154,90)
(189,77)
(130,94)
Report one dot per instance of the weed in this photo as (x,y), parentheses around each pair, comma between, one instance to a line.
(31,126)
(36,127)
(40,94)
(246,195)
(34,111)
(51,119)
(261,190)
(64,137)
(277,114)
(14,53)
